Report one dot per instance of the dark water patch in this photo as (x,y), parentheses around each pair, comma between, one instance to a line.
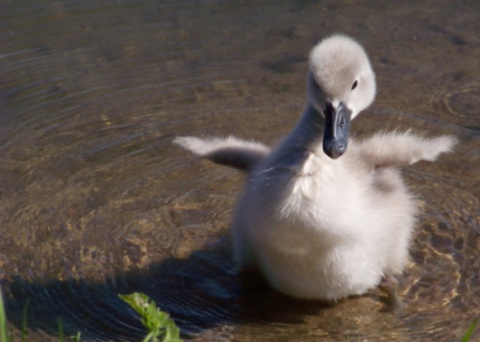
(284,65)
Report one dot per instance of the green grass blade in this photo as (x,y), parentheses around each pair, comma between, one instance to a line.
(77,337)
(469,332)
(151,337)
(24,321)
(3,320)
(60,330)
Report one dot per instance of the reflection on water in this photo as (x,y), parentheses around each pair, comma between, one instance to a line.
(96,201)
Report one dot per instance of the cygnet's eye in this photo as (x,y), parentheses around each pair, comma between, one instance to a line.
(354,85)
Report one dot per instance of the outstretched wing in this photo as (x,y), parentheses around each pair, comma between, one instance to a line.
(240,154)
(402,148)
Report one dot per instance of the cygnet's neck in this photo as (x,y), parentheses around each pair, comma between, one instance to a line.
(304,139)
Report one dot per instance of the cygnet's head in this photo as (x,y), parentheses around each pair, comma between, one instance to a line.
(341,83)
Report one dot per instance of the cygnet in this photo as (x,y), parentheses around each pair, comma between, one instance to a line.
(323,216)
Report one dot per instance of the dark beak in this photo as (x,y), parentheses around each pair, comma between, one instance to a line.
(337,124)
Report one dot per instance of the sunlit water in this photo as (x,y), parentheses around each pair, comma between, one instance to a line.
(96,201)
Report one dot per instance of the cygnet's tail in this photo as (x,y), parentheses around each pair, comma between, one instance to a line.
(233,152)
(402,148)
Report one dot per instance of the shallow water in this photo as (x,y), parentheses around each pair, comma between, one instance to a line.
(96,201)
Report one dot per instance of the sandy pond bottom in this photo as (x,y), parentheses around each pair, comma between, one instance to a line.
(96,201)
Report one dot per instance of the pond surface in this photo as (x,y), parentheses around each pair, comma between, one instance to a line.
(97,201)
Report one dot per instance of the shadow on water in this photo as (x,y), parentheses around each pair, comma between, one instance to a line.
(200,292)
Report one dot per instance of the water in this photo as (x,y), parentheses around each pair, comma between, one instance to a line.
(96,201)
